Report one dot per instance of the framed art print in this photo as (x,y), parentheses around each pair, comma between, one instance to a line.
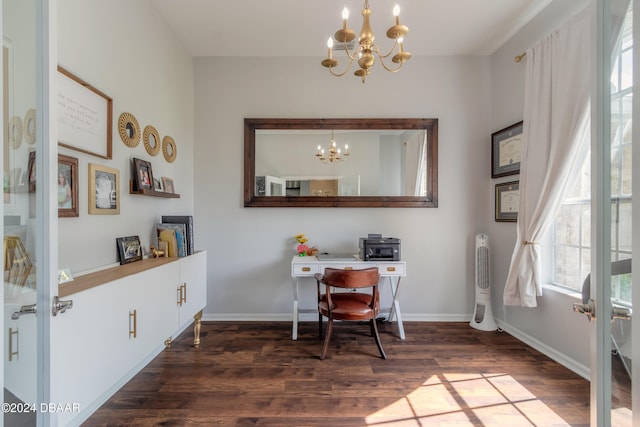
(129,249)
(104,190)
(143,174)
(507,201)
(506,151)
(67,186)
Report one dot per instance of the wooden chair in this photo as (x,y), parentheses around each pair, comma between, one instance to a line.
(337,305)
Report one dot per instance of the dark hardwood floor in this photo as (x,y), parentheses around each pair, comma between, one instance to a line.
(253,374)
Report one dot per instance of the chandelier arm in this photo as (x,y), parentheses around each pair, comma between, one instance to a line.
(342,73)
(355,55)
(375,48)
(391,70)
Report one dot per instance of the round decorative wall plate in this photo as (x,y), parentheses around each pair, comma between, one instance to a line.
(151,140)
(169,149)
(15,132)
(29,125)
(129,129)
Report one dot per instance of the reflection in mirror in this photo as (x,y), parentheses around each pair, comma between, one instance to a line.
(131,130)
(341,162)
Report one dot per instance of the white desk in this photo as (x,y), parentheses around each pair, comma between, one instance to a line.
(308,266)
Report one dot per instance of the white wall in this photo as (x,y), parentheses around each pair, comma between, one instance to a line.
(552,326)
(126,50)
(250,249)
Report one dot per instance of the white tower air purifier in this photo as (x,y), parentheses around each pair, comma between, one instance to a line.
(482,315)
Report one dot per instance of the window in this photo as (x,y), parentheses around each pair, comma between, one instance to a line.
(571,237)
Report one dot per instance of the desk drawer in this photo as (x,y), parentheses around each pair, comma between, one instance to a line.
(302,269)
(356,265)
(392,269)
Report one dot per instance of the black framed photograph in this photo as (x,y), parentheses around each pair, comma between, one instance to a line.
(506,151)
(507,201)
(143,174)
(67,186)
(129,249)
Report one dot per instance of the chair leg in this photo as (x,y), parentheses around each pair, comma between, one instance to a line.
(320,324)
(327,338)
(374,328)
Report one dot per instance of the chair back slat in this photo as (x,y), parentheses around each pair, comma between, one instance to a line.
(351,278)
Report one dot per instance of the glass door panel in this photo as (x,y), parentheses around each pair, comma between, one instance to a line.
(19,117)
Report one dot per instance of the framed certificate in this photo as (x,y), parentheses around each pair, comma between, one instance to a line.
(507,201)
(506,151)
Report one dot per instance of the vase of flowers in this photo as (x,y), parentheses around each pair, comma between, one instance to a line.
(302,247)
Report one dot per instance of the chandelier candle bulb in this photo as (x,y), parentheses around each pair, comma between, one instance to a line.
(396,14)
(345,16)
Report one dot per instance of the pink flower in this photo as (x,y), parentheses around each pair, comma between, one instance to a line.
(302,249)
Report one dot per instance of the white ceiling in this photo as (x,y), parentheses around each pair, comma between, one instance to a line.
(301,27)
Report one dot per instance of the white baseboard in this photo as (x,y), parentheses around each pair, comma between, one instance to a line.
(567,362)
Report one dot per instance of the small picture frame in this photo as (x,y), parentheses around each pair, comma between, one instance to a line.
(506,151)
(129,249)
(31,168)
(167,183)
(143,174)
(104,190)
(507,201)
(67,186)
(157,184)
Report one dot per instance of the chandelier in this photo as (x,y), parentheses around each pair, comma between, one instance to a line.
(335,153)
(366,49)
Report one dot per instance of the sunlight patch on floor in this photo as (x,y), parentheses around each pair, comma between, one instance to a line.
(457,399)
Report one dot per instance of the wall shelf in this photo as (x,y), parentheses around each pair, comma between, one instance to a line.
(151,192)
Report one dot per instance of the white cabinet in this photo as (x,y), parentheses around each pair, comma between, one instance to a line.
(193,272)
(119,324)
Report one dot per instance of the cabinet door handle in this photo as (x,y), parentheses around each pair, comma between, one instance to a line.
(133,321)
(179,289)
(184,293)
(11,352)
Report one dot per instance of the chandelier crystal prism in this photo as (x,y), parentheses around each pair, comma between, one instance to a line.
(335,153)
(367,49)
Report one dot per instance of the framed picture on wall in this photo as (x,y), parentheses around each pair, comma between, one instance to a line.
(143,174)
(104,190)
(67,186)
(507,201)
(506,151)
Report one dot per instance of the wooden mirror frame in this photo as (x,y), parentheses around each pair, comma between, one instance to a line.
(251,200)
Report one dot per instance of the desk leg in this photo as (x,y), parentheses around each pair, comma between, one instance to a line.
(294,332)
(395,306)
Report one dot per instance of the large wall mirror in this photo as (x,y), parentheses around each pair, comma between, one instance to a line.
(376,163)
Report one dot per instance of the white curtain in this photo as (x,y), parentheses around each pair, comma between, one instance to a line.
(555,141)
(415,163)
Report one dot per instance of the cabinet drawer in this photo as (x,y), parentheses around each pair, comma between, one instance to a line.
(301,269)
(392,269)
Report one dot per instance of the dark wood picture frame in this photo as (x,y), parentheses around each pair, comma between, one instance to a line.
(143,174)
(507,201)
(129,249)
(67,186)
(506,150)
